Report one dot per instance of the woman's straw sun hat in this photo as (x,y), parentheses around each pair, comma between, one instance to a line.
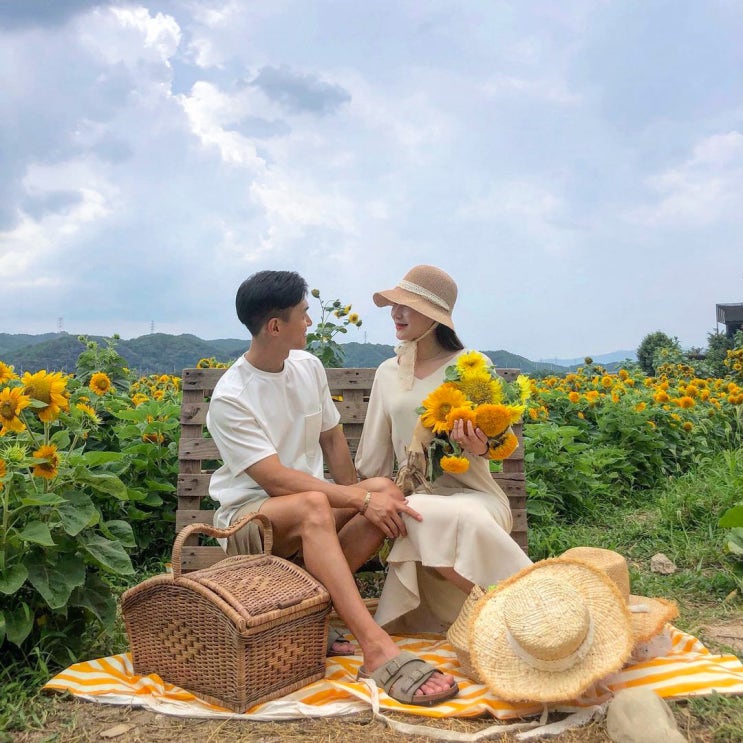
(426,289)
(549,632)
(649,615)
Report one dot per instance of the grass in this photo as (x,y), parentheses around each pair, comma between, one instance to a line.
(679,519)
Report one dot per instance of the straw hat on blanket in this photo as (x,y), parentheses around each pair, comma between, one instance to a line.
(549,632)
(649,615)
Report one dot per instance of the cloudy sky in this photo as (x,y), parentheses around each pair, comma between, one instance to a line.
(576,166)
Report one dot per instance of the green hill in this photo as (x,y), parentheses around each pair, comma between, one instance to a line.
(160,353)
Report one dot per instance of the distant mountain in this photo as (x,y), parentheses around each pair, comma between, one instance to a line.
(156,353)
(603,359)
(9,343)
(160,353)
(373,354)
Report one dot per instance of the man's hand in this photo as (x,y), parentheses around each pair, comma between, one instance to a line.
(386,506)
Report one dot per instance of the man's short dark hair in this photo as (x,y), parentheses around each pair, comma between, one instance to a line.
(268,294)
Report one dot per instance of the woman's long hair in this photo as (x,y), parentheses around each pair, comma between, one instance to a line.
(448,339)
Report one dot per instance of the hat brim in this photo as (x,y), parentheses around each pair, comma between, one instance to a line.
(647,624)
(510,677)
(416,302)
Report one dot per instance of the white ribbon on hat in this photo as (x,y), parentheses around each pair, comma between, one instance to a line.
(421,292)
(559,664)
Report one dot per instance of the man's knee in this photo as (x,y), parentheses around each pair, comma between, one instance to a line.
(315,511)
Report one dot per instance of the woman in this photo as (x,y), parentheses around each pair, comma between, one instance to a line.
(464,536)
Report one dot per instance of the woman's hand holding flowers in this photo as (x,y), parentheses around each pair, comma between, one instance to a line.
(469,437)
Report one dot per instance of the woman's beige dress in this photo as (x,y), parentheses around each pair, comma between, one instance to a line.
(466,518)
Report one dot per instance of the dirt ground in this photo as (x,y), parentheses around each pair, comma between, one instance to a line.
(70,720)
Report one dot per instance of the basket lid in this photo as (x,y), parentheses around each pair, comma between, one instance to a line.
(257,585)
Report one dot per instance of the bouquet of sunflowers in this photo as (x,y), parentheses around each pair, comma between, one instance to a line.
(472,391)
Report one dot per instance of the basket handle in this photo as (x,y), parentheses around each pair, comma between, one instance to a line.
(213,531)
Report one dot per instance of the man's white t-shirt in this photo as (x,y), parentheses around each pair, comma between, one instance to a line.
(254,414)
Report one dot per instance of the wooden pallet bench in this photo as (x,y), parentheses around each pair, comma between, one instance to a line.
(198,455)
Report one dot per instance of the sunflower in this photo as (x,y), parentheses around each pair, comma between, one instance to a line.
(6,373)
(492,420)
(12,401)
(574,397)
(48,468)
(481,389)
(464,413)
(505,447)
(139,398)
(438,405)
(525,387)
(49,388)
(685,402)
(472,362)
(455,465)
(88,413)
(100,383)
(353,318)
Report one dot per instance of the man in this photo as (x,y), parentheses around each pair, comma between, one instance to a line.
(272,418)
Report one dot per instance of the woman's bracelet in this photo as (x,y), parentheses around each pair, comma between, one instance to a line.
(365,504)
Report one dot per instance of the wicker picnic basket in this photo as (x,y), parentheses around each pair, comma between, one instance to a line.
(243,631)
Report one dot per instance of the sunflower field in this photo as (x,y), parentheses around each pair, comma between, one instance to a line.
(591,436)
(89,462)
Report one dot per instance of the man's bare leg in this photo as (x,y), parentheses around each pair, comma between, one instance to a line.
(359,540)
(306,520)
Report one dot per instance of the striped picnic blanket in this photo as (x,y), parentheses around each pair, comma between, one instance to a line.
(689,669)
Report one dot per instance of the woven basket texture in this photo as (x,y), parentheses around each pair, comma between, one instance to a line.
(246,630)
(459,632)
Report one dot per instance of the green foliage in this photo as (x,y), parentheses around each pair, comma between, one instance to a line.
(106,360)
(57,541)
(321,341)
(79,492)
(148,436)
(597,437)
(718,344)
(566,474)
(649,346)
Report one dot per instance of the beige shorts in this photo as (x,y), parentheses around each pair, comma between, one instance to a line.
(247,541)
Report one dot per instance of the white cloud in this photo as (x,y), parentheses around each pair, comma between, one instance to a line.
(130,35)
(151,143)
(208,110)
(706,188)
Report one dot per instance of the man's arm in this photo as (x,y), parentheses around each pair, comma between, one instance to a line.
(338,457)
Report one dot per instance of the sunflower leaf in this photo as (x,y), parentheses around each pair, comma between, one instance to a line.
(38,533)
(19,622)
(13,578)
(55,581)
(108,554)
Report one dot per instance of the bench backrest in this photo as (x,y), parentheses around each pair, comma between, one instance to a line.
(198,455)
